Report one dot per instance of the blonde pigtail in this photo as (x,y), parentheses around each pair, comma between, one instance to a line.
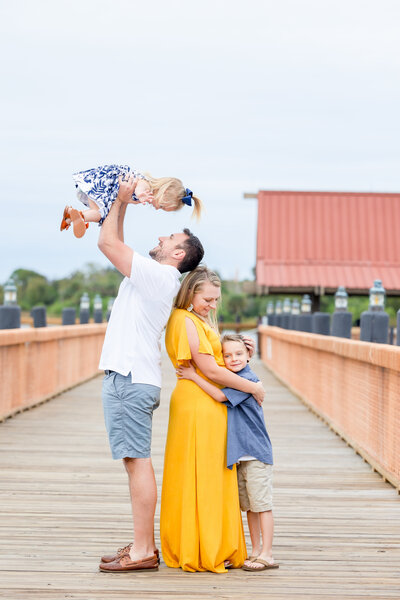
(197,208)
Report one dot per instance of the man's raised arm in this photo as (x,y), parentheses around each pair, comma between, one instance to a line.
(111,238)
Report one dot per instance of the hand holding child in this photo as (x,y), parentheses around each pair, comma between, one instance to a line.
(186,372)
(259,393)
(127,185)
(250,344)
(143,192)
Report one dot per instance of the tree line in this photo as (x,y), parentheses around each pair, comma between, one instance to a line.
(34,289)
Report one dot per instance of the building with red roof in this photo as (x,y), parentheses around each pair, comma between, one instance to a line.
(313,242)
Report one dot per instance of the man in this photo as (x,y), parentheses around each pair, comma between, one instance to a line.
(132,363)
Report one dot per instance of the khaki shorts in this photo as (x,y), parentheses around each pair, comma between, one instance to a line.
(255,485)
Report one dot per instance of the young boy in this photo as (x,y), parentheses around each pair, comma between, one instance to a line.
(248,445)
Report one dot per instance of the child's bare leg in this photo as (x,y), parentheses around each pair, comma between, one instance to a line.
(92,214)
(253,521)
(267,532)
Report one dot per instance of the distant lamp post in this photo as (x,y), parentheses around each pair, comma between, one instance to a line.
(287,307)
(98,303)
(377,296)
(341,318)
(10,312)
(295,311)
(271,317)
(295,307)
(341,299)
(10,293)
(98,309)
(84,309)
(85,301)
(110,304)
(306,304)
(304,320)
(278,313)
(374,322)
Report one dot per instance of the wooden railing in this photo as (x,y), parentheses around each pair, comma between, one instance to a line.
(354,386)
(36,364)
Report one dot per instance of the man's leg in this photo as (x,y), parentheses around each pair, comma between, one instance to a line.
(143,491)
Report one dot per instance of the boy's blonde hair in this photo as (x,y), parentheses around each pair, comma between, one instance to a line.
(193,283)
(233,337)
(169,191)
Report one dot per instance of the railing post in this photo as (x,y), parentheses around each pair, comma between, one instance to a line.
(398,329)
(321,323)
(84,309)
(10,312)
(38,314)
(374,321)
(304,319)
(341,318)
(68,316)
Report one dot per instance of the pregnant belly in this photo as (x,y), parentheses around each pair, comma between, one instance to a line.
(187,398)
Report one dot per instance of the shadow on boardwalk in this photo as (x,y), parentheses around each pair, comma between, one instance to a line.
(64,502)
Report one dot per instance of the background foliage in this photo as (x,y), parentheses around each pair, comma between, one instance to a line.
(35,289)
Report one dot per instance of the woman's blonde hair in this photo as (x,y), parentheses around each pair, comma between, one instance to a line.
(191,285)
(169,191)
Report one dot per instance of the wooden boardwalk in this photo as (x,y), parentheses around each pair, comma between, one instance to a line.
(64,502)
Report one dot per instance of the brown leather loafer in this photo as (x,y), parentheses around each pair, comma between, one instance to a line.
(121,552)
(123,564)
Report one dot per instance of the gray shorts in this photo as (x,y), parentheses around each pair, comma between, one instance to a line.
(128,414)
(255,485)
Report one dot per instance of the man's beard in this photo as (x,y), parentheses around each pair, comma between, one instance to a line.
(157,254)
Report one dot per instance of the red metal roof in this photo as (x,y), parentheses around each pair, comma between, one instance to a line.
(327,239)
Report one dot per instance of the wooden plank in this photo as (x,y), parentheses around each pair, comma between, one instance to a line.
(64,502)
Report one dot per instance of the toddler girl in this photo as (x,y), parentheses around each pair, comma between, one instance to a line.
(98,188)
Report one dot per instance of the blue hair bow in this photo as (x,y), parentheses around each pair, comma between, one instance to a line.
(188,198)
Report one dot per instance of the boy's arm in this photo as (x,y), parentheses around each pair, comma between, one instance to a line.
(209,367)
(210,389)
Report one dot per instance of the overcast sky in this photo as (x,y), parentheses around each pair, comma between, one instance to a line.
(231,97)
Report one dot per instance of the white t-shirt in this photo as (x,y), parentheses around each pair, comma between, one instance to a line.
(138,317)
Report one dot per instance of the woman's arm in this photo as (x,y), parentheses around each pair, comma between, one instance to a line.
(210,389)
(208,366)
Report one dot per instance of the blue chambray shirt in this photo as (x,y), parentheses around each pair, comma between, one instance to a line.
(247,433)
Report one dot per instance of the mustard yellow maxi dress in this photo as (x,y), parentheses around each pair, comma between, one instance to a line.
(201,524)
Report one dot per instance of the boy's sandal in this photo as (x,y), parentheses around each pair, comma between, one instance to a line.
(252,558)
(66,215)
(265,565)
(78,223)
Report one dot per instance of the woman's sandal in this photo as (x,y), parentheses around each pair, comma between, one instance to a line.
(66,215)
(265,565)
(78,222)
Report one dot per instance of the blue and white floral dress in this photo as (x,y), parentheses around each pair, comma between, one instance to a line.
(101,185)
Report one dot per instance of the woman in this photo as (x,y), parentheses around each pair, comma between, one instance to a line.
(201,526)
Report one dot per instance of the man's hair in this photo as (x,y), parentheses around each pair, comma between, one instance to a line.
(194,252)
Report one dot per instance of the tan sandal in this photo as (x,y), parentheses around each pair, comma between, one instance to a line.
(265,565)
(78,222)
(252,558)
